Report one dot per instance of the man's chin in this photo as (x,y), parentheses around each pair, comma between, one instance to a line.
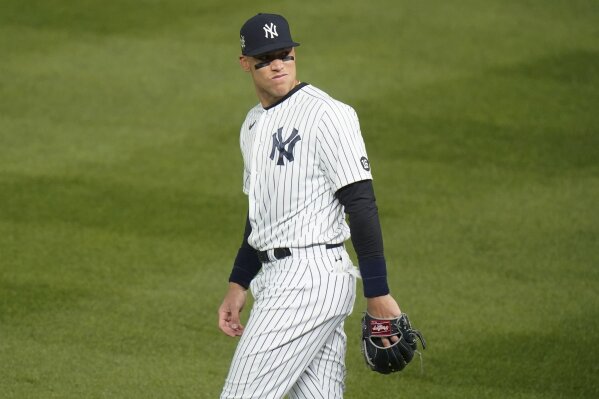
(283,87)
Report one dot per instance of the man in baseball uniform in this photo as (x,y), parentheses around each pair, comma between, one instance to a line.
(305,168)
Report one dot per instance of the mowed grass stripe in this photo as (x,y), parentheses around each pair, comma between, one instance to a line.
(120,203)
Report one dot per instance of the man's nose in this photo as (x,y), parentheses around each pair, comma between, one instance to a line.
(277,65)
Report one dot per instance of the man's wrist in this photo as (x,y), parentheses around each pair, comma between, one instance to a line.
(233,286)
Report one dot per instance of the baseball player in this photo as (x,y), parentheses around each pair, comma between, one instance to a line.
(305,168)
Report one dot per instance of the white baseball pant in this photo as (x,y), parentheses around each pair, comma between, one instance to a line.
(294,341)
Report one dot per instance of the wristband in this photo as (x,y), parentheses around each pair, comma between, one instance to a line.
(374,276)
(245,268)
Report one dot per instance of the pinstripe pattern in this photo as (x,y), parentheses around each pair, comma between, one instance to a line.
(324,378)
(296,155)
(294,340)
(293,205)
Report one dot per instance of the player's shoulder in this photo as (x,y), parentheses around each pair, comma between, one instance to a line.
(253,113)
(251,117)
(327,103)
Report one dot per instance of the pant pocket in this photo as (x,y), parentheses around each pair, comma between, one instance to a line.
(257,285)
(348,266)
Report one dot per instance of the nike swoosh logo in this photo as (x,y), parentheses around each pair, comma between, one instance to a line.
(252,125)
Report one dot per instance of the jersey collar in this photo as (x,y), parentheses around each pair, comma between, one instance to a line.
(286,96)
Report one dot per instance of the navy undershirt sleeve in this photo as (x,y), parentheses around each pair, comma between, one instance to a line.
(246,265)
(366,235)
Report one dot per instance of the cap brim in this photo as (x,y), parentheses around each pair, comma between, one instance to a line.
(271,47)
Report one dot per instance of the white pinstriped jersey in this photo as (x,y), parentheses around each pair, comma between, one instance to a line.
(296,155)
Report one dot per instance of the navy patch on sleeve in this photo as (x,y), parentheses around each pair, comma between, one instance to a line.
(365,163)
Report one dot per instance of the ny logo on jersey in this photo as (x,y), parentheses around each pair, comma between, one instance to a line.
(279,144)
(272,29)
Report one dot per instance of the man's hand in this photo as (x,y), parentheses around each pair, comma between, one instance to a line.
(383,307)
(229,310)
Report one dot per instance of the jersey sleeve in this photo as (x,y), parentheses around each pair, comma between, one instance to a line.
(341,149)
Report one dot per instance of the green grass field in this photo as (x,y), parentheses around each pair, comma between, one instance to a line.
(121,207)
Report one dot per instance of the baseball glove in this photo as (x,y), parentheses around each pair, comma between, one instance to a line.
(383,359)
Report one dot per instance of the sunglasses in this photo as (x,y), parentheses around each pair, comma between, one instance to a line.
(266,59)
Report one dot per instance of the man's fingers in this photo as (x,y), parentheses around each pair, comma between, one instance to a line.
(234,319)
(387,342)
(232,330)
(238,329)
(223,323)
(229,310)
(228,322)
(224,317)
(235,324)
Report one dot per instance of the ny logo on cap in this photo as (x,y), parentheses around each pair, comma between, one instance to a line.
(279,144)
(272,29)
(242,40)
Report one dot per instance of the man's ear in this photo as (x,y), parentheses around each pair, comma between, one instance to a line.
(244,63)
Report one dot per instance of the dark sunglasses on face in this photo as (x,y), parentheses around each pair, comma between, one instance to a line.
(266,59)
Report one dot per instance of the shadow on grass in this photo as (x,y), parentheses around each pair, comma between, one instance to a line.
(536,116)
(18,300)
(102,17)
(570,68)
(558,362)
(117,207)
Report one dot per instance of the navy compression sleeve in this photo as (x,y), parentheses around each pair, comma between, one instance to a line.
(367,238)
(247,264)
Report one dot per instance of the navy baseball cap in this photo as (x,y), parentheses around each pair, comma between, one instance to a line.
(264,33)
